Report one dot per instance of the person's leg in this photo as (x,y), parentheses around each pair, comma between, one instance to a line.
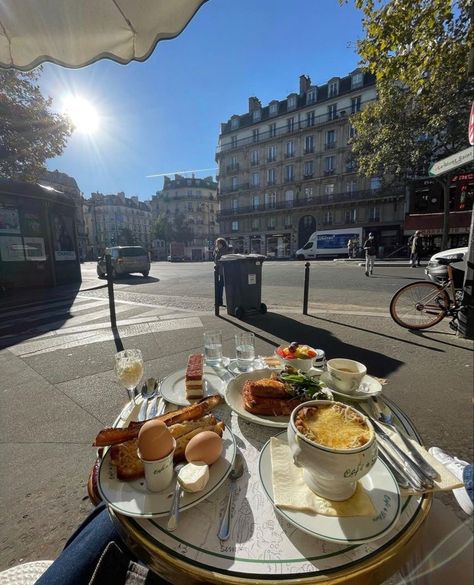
(220,290)
(468,479)
(372,263)
(77,562)
(367,260)
(458,467)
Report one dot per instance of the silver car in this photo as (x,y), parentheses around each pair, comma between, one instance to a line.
(438,273)
(125,260)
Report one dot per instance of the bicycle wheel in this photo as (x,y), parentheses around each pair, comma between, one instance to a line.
(419,305)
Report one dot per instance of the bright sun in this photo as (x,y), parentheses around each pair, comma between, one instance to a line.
(82,114)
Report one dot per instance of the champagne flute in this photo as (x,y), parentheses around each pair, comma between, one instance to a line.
(129,370)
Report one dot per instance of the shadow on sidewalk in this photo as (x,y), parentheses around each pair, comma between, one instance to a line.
(288,329)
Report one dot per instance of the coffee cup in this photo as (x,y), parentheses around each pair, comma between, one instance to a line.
(345,375)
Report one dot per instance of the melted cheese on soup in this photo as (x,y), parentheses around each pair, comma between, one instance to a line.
(333,426)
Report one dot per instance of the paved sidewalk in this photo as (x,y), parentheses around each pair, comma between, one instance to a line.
(53,404)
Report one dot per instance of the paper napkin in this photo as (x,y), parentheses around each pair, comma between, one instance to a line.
(291,492)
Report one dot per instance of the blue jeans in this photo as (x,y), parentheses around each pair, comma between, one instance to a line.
(468,479)
(77,563)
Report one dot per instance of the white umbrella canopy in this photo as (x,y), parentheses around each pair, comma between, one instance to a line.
(75,33)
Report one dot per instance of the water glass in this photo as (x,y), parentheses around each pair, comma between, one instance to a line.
(212,347)
(245,350)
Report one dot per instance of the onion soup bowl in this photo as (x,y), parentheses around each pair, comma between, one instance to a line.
(345,375)
(334,444)
(297,355)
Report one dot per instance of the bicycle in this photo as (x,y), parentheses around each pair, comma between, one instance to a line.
(422,304)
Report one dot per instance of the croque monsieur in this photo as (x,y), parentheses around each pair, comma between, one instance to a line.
(194,384)
(268,397)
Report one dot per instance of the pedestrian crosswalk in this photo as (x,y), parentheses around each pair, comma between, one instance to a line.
(47,326)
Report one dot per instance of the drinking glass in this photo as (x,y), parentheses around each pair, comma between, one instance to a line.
(129,370)
(213,347)
(245,350)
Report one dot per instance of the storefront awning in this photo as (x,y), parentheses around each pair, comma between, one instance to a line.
(432,223)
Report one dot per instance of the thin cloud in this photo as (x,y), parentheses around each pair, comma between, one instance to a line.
(181,172)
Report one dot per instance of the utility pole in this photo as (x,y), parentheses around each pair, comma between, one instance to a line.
(466,315)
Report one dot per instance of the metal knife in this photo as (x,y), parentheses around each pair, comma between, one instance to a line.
(403,476)
(426,482)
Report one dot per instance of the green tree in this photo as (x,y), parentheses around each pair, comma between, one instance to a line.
(126,237)
(30,133)
(163,229)
(418,51)
(183,232)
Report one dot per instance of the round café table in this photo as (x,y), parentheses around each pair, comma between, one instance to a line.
(263,547)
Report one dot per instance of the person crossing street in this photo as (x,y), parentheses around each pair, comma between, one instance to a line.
(370,252)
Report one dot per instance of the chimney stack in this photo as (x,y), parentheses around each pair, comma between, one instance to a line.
(305,83)
(254,104)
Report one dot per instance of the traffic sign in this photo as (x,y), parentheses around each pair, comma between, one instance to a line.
(452,162)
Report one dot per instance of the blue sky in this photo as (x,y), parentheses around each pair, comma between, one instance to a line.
(164,115)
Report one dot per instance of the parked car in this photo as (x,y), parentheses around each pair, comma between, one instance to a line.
(439,272)
(125,260)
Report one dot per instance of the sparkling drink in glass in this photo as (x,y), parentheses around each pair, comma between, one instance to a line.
(212,347)
(129,370)
(245,350)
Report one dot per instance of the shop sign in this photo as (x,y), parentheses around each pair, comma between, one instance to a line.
(452,162)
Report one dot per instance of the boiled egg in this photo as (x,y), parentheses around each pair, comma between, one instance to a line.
(155,441)
(205,446)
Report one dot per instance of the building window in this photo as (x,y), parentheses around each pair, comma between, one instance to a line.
(256,201)
(351,187)
(254,158)
(272,130)
(272,153)
(333,88)
(235,226)
(374,214)
(232,166)
(273,109)
(329,188)
(308,193)
(311,97)
(357,80)
(328,217)
(289,173)
(255,179)
(256,115)
(190,206)
(330,139)
(289,197)
(375,183)
(332,112)
(255,133)
(330,164)
(352,131)
(271,223)
(290,149)
(291,102)
(234,182)
(235,204)
(310,118)
(287,221)
(308,169)
(255,223)
(271,177)
(234,123)
(355,104)
(233,142)
(270,200)
(351,215)
(291,124)
(309,144)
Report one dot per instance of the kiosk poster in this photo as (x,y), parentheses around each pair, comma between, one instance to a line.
(34,249)
(11,249)
(63,238)
(9,220)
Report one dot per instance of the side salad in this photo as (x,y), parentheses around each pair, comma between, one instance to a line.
(300,385)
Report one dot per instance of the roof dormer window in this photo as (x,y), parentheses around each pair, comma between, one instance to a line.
(333,88)
(273,108)
(357,80)
(311,97)
(292,102)
(234,122)
(256,115)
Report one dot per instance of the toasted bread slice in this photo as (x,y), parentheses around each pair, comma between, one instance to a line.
(180,429)
(124,457)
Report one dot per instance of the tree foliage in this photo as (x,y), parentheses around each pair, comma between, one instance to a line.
(176,230)
(30,133)
(418,51)
(126,237)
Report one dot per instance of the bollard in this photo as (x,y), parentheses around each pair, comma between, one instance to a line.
(216,301)
(306,288)
(110,287)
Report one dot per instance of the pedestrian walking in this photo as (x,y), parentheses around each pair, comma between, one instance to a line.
(350,249)
(415,244)
(221,248)
(370,248)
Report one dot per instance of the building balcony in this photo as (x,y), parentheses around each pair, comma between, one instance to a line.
(309,150)
(289,154)
(330,145)
(307,176)
(234,189)
(374,219)
(232,168)
(328,172)
(254,163)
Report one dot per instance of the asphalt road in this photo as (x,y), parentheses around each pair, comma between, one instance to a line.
(340,285)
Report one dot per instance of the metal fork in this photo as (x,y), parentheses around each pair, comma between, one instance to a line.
(385,416)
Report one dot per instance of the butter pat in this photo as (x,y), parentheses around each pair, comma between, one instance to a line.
(193,477)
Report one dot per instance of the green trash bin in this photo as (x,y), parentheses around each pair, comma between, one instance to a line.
(243,284)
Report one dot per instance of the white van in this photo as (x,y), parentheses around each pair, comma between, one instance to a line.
(329,243)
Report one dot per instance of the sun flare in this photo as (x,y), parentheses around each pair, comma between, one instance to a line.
(82,114)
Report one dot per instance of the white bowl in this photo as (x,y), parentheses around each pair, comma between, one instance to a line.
(330,473)
(303,364)
(345,381)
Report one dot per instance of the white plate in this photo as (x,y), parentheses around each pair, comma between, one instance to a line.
(173,388)
(383,491)
(131,498)
(233,397)
(368,387)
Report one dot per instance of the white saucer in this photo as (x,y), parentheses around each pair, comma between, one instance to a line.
(368,387)
(233,367)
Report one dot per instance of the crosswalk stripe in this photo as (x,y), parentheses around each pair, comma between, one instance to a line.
(34,307)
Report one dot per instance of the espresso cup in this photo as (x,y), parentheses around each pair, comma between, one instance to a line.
(345,375)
